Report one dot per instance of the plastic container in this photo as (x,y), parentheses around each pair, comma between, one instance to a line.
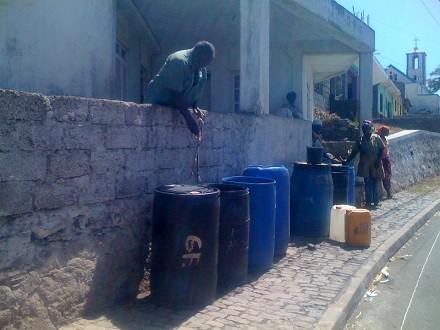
(311,200)
(340,187)
(351,180)
(262,194)
(337,222)
(358,228)
(233,244)
(282,214)
(314,155)
(184,245)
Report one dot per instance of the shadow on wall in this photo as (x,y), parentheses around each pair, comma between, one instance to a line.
(118,272)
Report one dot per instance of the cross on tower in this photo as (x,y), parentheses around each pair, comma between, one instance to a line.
(416,39)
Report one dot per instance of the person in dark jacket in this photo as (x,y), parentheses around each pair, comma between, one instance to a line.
(370,167)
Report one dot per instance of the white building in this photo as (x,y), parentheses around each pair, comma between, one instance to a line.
(110,49)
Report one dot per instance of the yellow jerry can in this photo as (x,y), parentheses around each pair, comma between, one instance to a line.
(358,227)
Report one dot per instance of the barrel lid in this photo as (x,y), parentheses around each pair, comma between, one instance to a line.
(184,189)
(245,180)
(307,166)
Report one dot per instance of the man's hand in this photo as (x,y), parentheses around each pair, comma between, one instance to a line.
(181,106)
(198,113)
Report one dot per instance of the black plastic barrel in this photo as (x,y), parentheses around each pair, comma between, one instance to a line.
(351,180)
(262,192)
(311,200)
(282,214)
(233,244)
(340,187)
(184,245)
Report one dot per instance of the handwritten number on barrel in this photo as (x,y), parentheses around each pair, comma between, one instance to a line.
(191,243)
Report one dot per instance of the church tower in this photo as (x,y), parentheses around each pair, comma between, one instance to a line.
(416,64)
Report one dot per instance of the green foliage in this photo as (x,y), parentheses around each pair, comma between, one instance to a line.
(434,83)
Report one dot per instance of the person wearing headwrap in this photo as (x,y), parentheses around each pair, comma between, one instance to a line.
(383,132)
(370,167)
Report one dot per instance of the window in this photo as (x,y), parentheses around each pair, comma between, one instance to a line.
(121,81)
(415,62)
(236,92)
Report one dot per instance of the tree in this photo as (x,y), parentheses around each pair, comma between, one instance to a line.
(434,83)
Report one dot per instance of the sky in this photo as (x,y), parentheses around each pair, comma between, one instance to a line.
(396,24)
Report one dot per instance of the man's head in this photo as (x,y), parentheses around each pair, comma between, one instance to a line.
(367,127)
(291,97)
(202,54)
(317,126)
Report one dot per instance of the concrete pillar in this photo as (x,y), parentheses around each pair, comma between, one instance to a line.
(254,56)
(365,86)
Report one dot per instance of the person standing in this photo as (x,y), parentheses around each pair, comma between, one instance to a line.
(370,167)
(181,80)
(316,140)
(383,132)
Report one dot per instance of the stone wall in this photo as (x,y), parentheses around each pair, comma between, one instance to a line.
(426,123)
(76,185)
(415,155)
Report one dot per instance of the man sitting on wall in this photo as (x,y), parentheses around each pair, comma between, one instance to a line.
(180,81)
(290,109)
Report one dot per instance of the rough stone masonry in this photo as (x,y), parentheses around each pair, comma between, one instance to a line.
(76,185)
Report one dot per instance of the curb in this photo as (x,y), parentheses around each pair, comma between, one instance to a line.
(338,312)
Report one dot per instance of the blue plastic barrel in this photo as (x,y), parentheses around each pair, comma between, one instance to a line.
(311,199)
(351,180)
(262,192)
(282,214)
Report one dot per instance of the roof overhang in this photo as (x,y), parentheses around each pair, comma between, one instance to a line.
(326,66)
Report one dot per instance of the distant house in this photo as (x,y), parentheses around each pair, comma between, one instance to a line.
(418,99)
(343,92)
(387,99)
(111,49)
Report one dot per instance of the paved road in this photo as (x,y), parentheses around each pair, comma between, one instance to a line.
(310,288)
(409,298)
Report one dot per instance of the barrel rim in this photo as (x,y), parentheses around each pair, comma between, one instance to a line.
(161,190)
(341,168)
(251,180)
(266,166)
(239,189)
(305,165)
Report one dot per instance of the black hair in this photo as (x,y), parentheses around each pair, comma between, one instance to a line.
(205,48)
(291,96)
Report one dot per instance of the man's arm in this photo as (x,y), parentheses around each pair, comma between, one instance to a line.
(179,101)
(353,154)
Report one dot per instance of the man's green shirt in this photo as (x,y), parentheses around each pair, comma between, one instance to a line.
(177,73)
